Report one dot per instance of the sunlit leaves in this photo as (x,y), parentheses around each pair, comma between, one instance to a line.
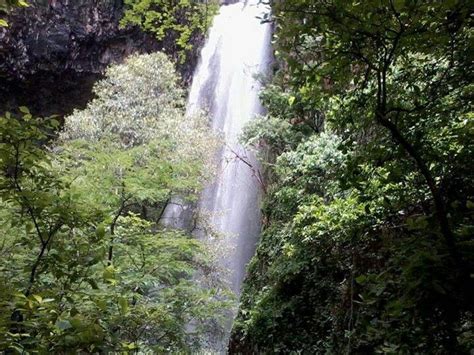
(351,260)
(135,138)
(180,21)
(88,266)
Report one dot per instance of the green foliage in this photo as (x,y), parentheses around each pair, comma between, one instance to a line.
(270,132)
(178,21)
(368,242)
(85,264)
(135,135)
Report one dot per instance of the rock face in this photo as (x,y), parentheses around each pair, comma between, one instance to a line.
(55,50)
(57,35)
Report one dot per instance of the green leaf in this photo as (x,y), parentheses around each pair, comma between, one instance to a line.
(129,346)
(102,304)
(109,273)
(123,303)
(24,109)
(362,279)
(100,231)
(77,323)
(3,23)
(38,298)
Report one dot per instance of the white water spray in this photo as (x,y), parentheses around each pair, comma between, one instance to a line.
(238,49)
(225,85)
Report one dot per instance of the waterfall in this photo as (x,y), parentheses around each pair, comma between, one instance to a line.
(237,49)
(225,84)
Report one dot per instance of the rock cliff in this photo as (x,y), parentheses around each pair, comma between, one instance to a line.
(55,50)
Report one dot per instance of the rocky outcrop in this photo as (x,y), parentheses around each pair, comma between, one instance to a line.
(60,35)
(55,50)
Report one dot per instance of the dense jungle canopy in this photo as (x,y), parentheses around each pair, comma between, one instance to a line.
(365,154)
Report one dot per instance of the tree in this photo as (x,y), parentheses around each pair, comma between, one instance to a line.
(151,149)
(90,268)
(179,21)
(401,58)
(369,224)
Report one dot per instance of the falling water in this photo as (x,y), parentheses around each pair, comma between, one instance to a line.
(225,85)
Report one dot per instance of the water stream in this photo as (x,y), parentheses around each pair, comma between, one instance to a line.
(225,84)
(238,48)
